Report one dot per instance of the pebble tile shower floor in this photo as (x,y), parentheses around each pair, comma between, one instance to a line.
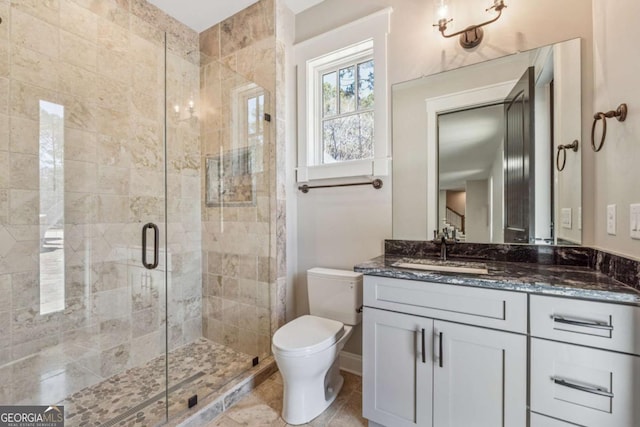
(137,396)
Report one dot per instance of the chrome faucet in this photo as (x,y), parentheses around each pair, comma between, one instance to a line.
(444,239)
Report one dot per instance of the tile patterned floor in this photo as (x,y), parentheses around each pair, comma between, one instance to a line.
(201,367)
(262,407)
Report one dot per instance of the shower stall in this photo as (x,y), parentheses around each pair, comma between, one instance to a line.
(136,210)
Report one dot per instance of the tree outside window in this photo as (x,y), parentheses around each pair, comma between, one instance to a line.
(347,125)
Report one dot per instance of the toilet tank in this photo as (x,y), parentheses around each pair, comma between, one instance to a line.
(335,294)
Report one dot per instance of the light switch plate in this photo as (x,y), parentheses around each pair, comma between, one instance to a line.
(611,219)
(565,218)
(634,221)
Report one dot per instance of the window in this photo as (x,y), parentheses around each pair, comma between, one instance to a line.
(51,159)
(342,101)
(248,112)
(346,123)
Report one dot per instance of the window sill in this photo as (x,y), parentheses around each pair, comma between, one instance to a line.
(368,167)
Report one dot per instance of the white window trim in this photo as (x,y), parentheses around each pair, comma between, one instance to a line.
(318,50)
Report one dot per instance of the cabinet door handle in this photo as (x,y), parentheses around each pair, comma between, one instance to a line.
(593,390)
(424,355)
(584,324)
(441,351)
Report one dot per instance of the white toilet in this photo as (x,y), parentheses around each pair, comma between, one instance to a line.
(307,348)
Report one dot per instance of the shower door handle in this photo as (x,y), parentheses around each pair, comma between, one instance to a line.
(156,242)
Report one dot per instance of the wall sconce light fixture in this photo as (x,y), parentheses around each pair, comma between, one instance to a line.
(471,36)
(190,109)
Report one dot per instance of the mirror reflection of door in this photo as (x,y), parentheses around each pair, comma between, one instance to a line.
(519,161)
(494,185)
(470,152)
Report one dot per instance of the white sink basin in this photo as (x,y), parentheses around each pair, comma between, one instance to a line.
(444,268)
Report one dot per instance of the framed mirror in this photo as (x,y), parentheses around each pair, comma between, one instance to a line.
(476,149)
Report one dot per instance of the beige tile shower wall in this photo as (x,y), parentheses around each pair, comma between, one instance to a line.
(284,33)
(104,62)
(244,287)
(184,221)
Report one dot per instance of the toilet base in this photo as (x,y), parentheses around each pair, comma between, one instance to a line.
(302,403)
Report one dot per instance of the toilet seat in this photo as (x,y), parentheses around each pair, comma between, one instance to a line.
(307,335)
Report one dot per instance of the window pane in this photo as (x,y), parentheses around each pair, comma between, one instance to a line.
(255,115)
(252,106)
(365,85)
(329,94)
(260,115)
(51,207)
(348,89)
(348,138)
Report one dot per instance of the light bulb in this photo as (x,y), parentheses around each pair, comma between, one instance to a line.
(442,11)
(176,108)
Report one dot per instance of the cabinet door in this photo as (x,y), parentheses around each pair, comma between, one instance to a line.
(397,368)
(480,377)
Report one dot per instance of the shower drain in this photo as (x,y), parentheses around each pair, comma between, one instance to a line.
(149,401)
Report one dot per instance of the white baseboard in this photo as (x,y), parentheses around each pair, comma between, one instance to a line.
(351,362)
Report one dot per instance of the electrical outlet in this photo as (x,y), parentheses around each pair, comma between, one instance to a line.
(611,220)
(565,218)
(634,221)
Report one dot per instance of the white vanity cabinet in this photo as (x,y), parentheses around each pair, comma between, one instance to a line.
(423,368)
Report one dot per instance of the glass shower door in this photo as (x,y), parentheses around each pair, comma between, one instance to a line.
(82,170)
(218,226)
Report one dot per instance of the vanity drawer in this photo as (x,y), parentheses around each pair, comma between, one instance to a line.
(586,386)
(538,420)
(480,307)
(595,324)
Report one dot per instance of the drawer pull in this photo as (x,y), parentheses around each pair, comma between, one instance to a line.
(594,325)
(593,390)
(424,355)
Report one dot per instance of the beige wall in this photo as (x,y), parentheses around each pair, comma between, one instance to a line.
(615,172)
(416,48)
(340,227)
(456,200)
(609,177)
(477,201)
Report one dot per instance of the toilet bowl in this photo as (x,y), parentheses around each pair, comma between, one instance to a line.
(306,349)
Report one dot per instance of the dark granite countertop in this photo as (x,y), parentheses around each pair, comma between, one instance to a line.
(543,279)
